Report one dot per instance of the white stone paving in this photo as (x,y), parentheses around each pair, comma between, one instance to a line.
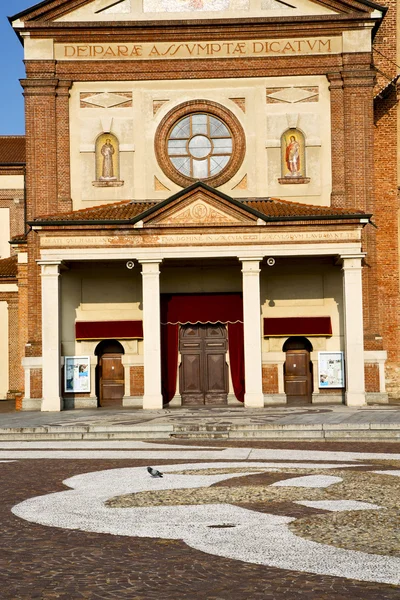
(308,481)
(339,505)
(396,473)
(252,536)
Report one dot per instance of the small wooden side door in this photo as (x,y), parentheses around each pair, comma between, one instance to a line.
(298,383)
(112,382)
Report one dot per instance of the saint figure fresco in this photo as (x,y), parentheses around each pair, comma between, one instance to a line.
(107,158)
(107,151)
(293,153)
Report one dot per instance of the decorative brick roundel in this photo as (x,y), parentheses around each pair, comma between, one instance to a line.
(200,140)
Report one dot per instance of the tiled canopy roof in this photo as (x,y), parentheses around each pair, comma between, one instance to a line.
(274,207)
(12,149)
(121,211)
(8,267)
(267,207)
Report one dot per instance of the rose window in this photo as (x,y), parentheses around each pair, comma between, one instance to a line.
(200,146)
(200,140)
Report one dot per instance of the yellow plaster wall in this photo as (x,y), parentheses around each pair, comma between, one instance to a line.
(263,124)
(4,232)
(305,289)
(3,349)
(184,9)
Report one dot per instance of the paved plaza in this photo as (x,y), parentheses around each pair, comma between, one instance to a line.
(228,520)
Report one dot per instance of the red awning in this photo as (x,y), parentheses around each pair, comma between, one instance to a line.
(201,308)
(305,326)
(103,330)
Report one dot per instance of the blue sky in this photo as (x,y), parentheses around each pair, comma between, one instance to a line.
(11,69)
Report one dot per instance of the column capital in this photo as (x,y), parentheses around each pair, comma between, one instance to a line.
(251,266)
(50,268)
(352,261)
(145,261)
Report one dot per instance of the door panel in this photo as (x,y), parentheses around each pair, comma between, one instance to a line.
(298,377)
(203,375)
(112,384)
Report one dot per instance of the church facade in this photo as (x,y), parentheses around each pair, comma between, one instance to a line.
(202,222)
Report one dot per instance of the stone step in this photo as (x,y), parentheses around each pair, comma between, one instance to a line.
(193,431)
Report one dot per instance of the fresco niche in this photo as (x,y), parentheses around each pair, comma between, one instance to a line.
(293,157)
(107,161)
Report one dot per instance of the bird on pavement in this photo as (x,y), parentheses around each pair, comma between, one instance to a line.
(154,472)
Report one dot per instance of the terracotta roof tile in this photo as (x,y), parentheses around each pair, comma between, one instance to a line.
(12,149)
(127,210)
(121,211)
(8,267)
(275,207)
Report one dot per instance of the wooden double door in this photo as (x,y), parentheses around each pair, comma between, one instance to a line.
(298,377)
(203,372)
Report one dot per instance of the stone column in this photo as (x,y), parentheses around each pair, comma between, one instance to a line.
(353,330)
(254,397)
(51,355)
(152,398)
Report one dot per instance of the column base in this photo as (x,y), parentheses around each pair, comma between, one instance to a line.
(254,400)
(377,398)
(176,401)
(73,403)
(152,402)
(52,404)
(274,399)
(233,401)
(31,404)
(355,399)
(132,401)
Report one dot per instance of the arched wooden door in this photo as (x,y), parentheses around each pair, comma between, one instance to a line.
(298,371)
(203,372)
(110,373)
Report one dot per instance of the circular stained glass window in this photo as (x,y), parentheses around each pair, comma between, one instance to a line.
(200,146)
(206,144)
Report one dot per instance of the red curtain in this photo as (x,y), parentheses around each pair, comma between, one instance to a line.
(201,308)
(179,309)
(236,358)
(169,360)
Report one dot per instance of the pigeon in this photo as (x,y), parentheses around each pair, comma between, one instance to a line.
(154,472)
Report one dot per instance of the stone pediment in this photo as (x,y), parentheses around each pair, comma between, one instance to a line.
(92,11)
(200,208)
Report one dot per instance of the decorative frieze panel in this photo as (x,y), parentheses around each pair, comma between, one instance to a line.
(106,100)
(292,95)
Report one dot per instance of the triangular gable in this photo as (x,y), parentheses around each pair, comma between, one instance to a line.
(199,206)
(137,10)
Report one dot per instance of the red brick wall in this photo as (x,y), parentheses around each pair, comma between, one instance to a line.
(270,379)
(371,378)
(386,209)
(137,381)
(36,383)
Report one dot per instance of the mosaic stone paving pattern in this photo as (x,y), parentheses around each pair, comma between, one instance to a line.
(86,520)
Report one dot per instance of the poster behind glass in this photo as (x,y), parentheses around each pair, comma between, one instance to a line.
(331,371)
(77,373)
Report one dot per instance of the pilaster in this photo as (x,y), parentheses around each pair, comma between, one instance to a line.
(254,396)
(152,398)
(51,370)
(353,330)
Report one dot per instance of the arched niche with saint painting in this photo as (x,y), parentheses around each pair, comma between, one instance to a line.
(293,157)
(107,161)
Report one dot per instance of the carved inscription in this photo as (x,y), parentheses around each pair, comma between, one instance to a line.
(200,239)
(206,49)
